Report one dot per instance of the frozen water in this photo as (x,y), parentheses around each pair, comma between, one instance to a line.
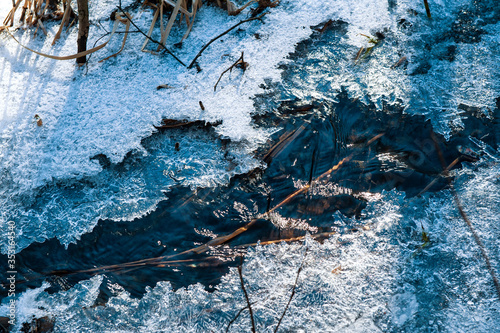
(380,279)
(111,107)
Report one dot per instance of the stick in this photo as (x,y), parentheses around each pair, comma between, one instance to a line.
(222,34)
(83,28)
(151,39)
(427,9)
(246,296)
(239,61)
(293,292)
(236,317)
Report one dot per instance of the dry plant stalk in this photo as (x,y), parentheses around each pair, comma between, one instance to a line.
(246,295)
(427,9)
(181,6)
(33,11)
(65,19)
(125,21)
(73,56)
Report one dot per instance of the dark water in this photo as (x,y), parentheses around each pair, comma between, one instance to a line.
(314,137)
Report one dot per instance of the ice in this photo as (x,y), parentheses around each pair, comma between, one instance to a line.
(379,279)
(108,108)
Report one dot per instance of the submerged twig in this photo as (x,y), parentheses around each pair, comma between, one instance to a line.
(246,295)
(222,34)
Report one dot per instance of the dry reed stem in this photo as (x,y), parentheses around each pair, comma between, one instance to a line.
(40,24)
(151,39)
(125,21)
(74,56)
(151,28)
(10,16)
(427,9)
(166,32)
(196,6)
(63,22)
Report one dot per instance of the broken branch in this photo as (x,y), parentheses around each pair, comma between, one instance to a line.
(222,34)
(239,63)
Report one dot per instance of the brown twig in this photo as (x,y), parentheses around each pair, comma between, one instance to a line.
(246,295)
(427,9)
(293,291)
(151,39)
(222,34)
(236,317)
(239,63)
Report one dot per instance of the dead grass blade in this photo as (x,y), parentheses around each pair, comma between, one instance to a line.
(125,21)
(63,22)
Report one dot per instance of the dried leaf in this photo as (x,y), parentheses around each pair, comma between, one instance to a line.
(337,270)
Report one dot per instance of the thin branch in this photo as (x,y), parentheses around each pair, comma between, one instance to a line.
(427,9)
(293,291)
(151,39)
(246,295)
(236,317)
(222,34)
(240,62)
